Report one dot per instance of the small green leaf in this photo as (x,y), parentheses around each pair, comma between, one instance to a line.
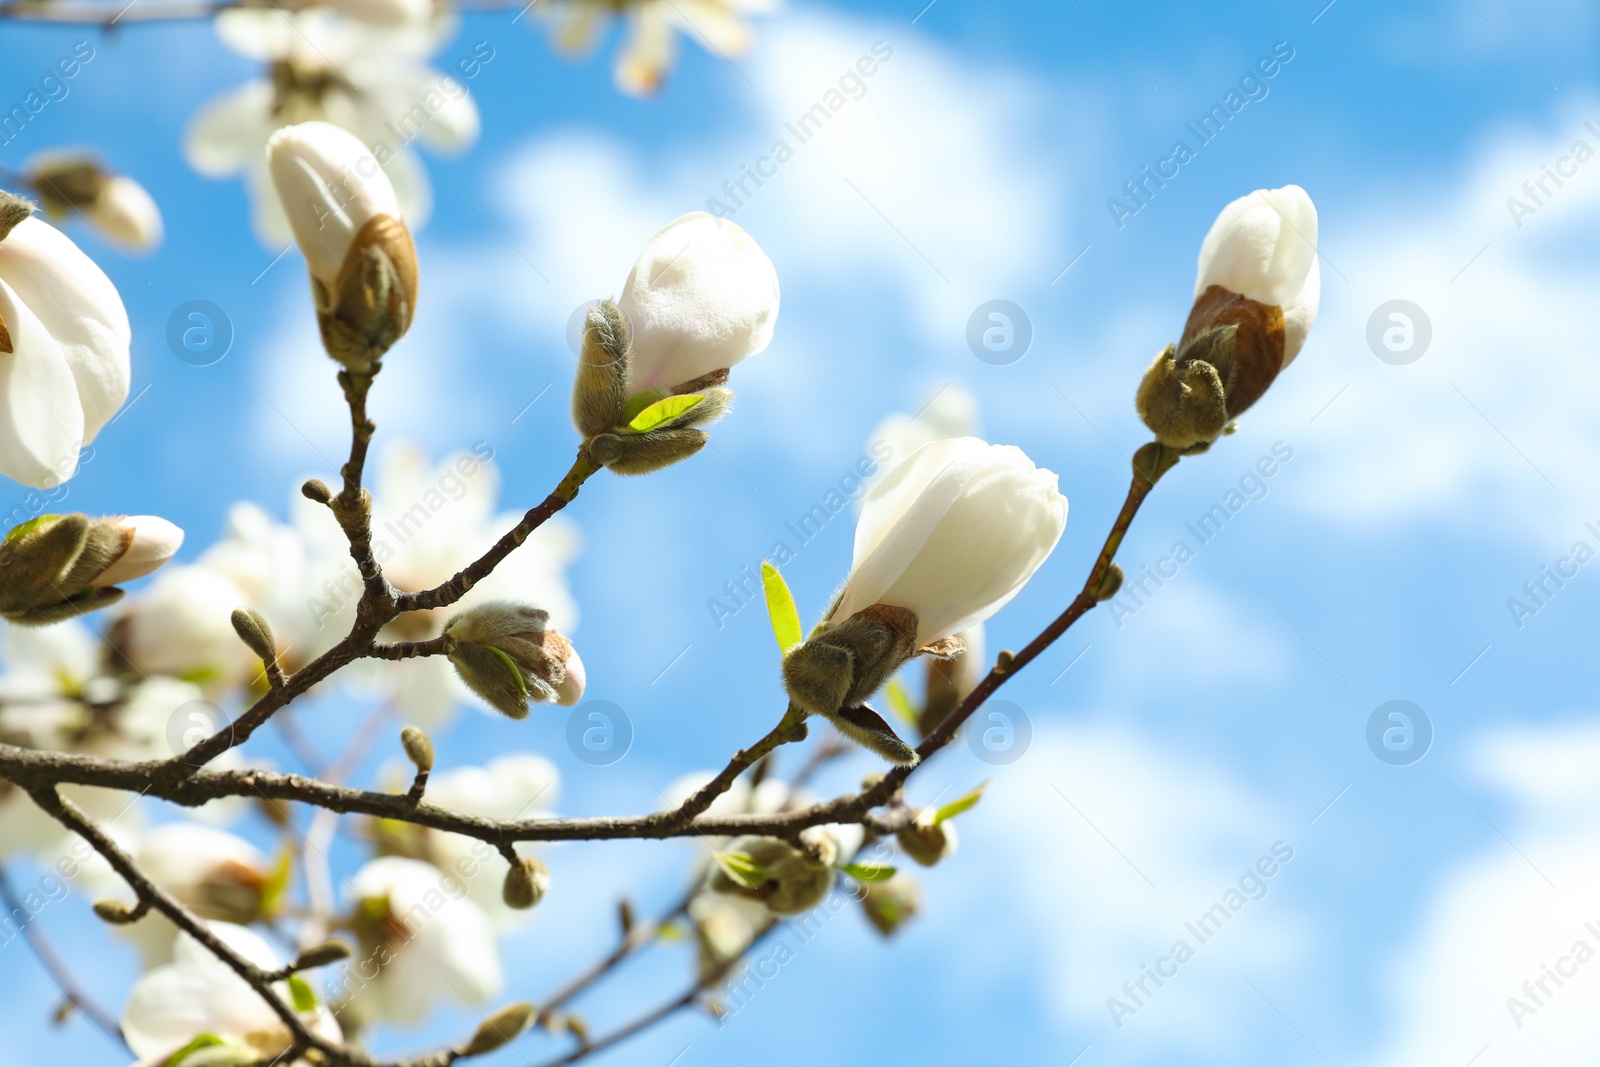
(206,1040)
(670,932)
(639,401)
(900,702)
(868,872)
(743,869)
(661,411)
(277,883)
(18,532)
(781,609)
(200,675)
(959,805)
(522,686)
(300,991)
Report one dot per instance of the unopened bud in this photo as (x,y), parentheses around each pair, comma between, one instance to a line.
(118,207)
(891,902)
(600,390)
(1109,584)
(927,841)
(114,911)
(499,1029)
(346,219)
(322,955)
(526,883)
(255,633)
(316,489)
(54,567)
(509,655)
(418,746)
(773,872)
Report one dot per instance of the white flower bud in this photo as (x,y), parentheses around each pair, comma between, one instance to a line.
(952,534)
(508,654)
(1256,296)
(126,213)
(152,541)
(63,349)
(331,186)
(702,297)
(347,220)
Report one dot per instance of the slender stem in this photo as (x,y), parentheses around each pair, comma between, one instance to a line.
(707,794)
(629,945)
(56,968)
(448,593)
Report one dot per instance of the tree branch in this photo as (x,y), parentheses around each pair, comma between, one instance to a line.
(442,596)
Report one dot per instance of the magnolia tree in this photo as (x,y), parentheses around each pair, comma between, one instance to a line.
(944,539)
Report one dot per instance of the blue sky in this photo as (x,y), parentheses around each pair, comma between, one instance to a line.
(1192,735)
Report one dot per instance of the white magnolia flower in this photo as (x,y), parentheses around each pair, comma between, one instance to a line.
(46,661)
(510,787)
(179,626)
(431,943)
(330,186)
(702,297)
(216,874)
(154,541)
(952,534)
(197,994)
(369,79)
(282,576)
(1264,247)
(718,25)
(63,353)
(126,213)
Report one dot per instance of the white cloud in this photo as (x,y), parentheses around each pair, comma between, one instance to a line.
(1509,912)
(1118,842)
(1491,427)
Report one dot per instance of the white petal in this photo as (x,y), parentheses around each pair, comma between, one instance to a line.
(126,213)
(155,540)
(41,417)
(260,33)
(330,185)
(1300,313)
(1261,246)
(954,533)
(702,297)
(175,1003)
(81,309)
(227,134)
(384,12)
(648,55)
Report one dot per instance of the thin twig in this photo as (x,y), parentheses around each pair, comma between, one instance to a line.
(56,968)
